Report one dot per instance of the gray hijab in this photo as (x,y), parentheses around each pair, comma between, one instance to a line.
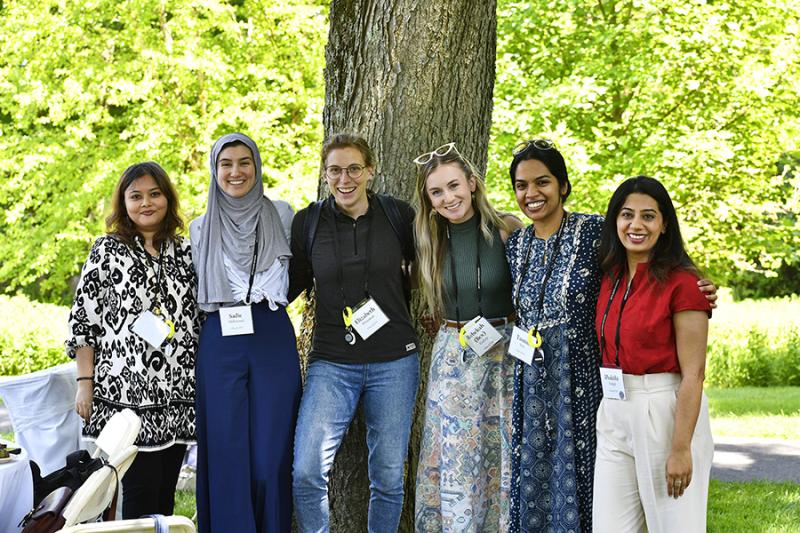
(232,225)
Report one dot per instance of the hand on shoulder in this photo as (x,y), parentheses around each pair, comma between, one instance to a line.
(513,224)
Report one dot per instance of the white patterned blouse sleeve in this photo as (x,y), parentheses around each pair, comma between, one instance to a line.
(85,318)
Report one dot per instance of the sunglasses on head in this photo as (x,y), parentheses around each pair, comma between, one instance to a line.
(442,151)
(541,144)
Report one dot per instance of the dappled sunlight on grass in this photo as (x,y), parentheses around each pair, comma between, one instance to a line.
(755,506)
(761,412)
(754,401)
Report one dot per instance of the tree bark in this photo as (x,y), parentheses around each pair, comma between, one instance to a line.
(408,76)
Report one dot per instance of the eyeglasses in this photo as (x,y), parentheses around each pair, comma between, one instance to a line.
(334,172)
(540,144)
(442,151)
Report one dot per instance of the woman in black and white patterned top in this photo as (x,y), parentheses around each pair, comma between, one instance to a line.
(133,331)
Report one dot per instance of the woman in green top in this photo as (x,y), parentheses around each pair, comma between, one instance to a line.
(464,472)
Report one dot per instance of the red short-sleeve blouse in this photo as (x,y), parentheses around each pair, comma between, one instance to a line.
(647,334)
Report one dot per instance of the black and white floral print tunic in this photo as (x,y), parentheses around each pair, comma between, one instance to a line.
(117,284)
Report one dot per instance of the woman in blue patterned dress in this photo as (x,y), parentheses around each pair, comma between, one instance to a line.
(556,280)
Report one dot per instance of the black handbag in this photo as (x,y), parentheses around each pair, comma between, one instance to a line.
(47,517)
(79,466)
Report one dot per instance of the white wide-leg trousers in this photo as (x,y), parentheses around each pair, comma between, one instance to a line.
(634,437)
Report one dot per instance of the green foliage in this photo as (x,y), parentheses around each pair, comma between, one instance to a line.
(701,95)
(88,88)
(784,281)
(31,335)
(754,342)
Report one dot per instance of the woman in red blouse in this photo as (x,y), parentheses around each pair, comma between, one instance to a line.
(654,446)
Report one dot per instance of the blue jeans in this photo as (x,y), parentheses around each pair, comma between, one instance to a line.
(330,399)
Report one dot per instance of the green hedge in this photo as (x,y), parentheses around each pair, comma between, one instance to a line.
(31,335)
(752,357)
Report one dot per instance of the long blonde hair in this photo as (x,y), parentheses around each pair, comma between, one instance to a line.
(430,228)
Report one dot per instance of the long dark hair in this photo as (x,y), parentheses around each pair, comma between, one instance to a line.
(118,223)
(667,255)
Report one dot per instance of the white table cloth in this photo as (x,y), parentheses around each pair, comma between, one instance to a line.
(42,410)
(16,491)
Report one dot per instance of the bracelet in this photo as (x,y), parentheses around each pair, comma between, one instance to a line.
(90,378)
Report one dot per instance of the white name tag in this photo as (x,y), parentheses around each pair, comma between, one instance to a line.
(368,318)
(153,329)
(613,385)
(480,335)
(519,347)
(236,320)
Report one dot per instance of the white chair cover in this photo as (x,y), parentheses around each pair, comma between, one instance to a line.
(16,491)
(119,432)
(42,409)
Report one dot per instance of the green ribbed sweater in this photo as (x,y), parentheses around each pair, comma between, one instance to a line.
(495,277)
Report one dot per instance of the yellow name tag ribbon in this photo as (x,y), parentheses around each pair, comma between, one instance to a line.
(462,337)
(538,341)
(171,325)
(347,316)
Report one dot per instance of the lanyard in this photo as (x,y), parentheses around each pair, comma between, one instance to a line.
(158,274)
(252,267)
(338,252)
(619,320)
(453,269)
(549,270)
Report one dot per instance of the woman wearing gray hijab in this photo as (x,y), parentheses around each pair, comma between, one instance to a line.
(248,373)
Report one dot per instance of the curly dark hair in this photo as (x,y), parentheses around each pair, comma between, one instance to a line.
(118,223)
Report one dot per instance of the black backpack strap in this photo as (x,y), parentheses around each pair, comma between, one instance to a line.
(313,212)
(404,235)
(390,207)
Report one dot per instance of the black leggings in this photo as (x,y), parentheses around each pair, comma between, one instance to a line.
(149,484)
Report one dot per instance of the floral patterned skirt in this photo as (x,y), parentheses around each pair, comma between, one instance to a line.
(464,472)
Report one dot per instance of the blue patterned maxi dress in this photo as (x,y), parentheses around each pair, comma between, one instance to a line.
(555,403)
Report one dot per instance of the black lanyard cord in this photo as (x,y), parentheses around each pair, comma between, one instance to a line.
(252,268)
(338,252)
(159,289)
(619,319)
(549,270)
(453,269)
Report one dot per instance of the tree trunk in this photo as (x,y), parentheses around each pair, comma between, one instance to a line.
(409,76)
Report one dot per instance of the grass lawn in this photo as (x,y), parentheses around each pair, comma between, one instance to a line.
(755,506)
(765,412)
(732,507)
(185,503)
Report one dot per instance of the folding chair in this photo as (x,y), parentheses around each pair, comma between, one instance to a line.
(177,524)
(97,492)
(119,432)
